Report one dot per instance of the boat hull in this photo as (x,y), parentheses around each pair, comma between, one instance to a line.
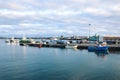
(97,48)
(69,46)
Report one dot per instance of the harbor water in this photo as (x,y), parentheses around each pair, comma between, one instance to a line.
(32,63)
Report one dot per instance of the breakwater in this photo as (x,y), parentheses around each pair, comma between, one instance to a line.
(80,46)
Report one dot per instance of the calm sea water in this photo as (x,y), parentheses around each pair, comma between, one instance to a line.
(31,63)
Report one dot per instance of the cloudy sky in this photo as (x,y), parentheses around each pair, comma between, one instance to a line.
(59,17)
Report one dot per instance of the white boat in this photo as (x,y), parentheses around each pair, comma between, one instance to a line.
(71,46)
(12,40)
(7,41)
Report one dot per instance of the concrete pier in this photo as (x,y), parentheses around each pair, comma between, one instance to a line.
(114,47)
(80,46)
(55,45)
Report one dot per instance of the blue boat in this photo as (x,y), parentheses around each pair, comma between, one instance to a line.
(97,48)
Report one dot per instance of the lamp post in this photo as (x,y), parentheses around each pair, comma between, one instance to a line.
(89,29)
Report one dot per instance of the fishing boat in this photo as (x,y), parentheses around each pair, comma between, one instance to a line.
(71,46)
(97,48)
(100,47)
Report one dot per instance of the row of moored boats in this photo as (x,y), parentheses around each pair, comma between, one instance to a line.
(99,47)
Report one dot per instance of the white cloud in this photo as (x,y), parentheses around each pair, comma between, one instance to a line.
(98,12)
(59,17)
(24,14)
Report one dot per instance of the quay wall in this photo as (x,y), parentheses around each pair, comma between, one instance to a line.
(80,46)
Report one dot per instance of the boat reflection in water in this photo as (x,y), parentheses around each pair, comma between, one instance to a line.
(101,54)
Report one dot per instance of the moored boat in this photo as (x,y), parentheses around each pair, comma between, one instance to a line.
(23,44)
(12,40)
(71,46)
(7,41)
(102,47)
(39,45)
(97,48)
